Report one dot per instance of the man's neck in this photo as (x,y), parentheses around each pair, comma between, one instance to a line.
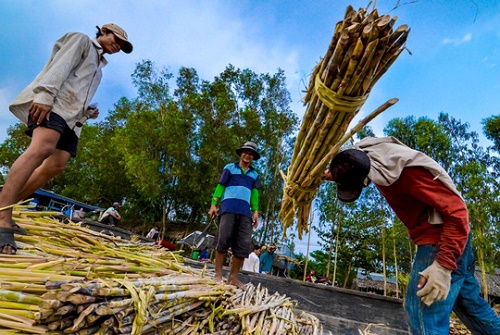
(245,166)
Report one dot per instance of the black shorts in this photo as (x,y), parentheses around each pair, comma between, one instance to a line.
(234,231)
(68,141)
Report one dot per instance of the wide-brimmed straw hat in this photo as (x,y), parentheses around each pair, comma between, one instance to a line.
(249,146)
(121,34)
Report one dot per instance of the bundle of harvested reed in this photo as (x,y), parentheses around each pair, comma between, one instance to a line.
(67,279)
(363,47)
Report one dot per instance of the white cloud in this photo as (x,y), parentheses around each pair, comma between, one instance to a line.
(457,41)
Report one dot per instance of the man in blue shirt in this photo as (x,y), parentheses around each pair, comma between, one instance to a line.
(266,259)
(238,195)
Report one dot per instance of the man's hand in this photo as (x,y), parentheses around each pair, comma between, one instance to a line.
(435,280)
(255,223)
(38,112)
(93,112)
(327,175)
(212,212)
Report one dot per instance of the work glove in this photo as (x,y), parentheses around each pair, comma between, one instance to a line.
(437,285)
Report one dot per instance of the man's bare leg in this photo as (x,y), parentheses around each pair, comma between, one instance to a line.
(50,168)
(219,262)
(233,274)
(43,144)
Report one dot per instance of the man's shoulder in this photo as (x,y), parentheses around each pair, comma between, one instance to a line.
(253,173)
(75,41)
(231,166)
(76,37)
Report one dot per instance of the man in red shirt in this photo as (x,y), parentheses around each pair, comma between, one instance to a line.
(425,199)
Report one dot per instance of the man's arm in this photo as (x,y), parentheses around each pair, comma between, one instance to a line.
(254,206)
(219,191)
(70,49)
(422,185)
(115,214)
(256,267)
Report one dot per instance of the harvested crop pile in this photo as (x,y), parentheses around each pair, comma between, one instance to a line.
(67,279)
(363,47)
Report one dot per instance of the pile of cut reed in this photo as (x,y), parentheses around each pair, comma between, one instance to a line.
(67,279)
(363,47)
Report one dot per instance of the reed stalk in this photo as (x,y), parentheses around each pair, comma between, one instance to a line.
(59,284)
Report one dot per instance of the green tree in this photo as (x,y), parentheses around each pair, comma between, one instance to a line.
(171,148)
(14,145)
(491,128)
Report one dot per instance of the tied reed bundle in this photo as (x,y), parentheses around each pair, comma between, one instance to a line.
(363,47)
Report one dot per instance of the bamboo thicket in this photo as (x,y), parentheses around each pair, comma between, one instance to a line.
(364,45)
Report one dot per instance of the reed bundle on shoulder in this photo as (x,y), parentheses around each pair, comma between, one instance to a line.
(364,45)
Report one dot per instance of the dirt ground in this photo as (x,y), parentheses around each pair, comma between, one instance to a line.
(457,327)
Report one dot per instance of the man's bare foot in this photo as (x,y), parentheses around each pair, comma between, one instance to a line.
(218,279)
(236,283)
(7,242)
(8,250)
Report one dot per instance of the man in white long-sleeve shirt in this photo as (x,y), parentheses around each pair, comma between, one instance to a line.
(53,107)
(252,263)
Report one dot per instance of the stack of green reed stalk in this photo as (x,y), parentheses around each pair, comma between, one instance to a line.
(363,47)
(67,279)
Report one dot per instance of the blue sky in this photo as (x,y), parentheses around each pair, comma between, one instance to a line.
(454,66)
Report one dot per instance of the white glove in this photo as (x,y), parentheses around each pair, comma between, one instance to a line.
(437,285)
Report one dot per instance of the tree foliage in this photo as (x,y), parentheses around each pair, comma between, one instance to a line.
(162,152)
(491,128)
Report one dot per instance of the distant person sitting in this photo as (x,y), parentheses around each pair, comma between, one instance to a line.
(111,215)
(252,263)
(153,233)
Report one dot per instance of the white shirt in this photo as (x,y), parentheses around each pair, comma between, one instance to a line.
(79,214)
(68,81)
(251,263)
(107,212)
(151,233)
